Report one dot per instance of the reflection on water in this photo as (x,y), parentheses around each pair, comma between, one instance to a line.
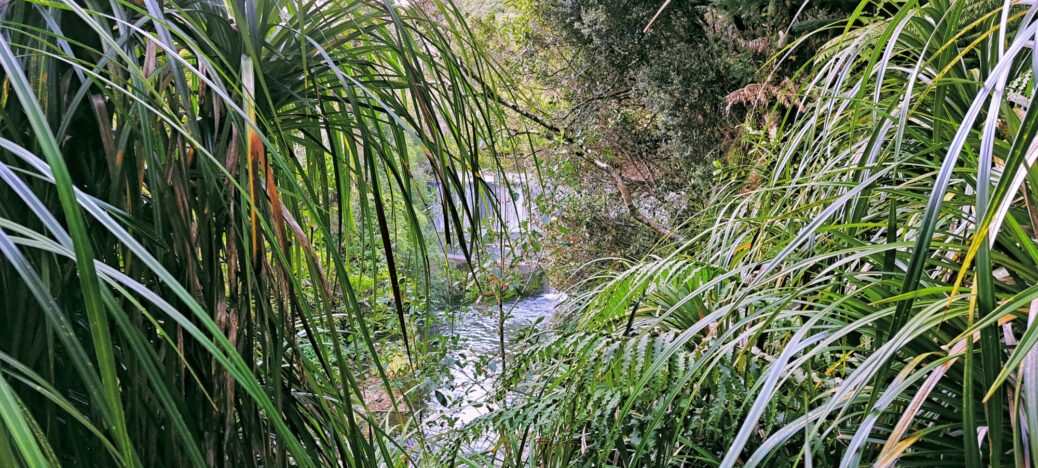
(474,360)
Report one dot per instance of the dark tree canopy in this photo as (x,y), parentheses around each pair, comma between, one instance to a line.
(646,90)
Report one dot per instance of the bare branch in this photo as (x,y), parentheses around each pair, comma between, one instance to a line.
(631,206)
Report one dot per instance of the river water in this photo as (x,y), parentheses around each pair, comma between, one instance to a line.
(474,357)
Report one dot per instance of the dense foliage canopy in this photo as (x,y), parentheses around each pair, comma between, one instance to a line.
(215,233)
(865,293)
(189,193)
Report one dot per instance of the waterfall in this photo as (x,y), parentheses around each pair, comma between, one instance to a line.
(497,205)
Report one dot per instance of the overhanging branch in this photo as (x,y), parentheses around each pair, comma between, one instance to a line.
(621,186)
(631,206)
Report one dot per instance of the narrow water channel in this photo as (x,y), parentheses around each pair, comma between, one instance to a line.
(474,358)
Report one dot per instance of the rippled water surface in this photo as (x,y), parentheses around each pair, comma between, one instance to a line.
(474,360)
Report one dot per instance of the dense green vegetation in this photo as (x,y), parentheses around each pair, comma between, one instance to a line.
(217,242)
(633,117)
(208,222)
(862,294)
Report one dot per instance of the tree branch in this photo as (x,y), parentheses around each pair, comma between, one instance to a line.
(625,193)
(631,206)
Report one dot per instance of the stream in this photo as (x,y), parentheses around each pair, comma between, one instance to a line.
(474,360)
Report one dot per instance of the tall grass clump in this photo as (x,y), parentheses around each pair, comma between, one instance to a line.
(866,294)
(181,184)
